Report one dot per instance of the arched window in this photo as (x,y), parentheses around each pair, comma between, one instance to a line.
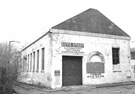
(95,63)
(96,56)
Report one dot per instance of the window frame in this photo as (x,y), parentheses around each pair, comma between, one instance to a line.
(43,59)
(37,61)
(30,62)
(34,61)
(115,55)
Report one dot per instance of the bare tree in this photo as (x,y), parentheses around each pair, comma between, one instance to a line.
(9,64)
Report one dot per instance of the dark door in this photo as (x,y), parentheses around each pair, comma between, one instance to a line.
(72,70)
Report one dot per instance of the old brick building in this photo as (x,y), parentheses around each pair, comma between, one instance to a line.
(85,49)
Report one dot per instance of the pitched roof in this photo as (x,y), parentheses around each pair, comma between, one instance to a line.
(91,21)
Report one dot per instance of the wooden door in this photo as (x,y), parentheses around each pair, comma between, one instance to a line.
(72,70)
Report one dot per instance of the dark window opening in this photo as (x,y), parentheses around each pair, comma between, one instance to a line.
(43,58)
(115,56)
(30,62)
(37,60)
(33,61)
(132,55)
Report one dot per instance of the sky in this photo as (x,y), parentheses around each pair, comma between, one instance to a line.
(27,20)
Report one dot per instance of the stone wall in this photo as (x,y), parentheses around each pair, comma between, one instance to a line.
(92,44)
(39,77)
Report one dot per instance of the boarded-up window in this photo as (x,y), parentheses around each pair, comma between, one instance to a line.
(95,67)
(37,60)
(42,66)
(115,56)
(95,63)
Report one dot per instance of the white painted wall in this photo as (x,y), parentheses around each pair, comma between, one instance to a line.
(40,77)
(101,44)
(132,65)
(92,42)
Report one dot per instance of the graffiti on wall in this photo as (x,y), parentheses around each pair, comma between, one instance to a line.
(95,65)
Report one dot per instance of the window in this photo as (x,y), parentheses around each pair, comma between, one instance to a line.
(115,56)
(30,62)
(42,66)
(37,60)
(132,55)
(95,58)
(26,64)
(33,61)
(23,65)
(95,63)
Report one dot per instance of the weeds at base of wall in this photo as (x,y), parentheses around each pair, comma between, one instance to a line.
(32,86)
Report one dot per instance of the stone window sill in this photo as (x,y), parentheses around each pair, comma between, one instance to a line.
(42,71)
(116,68)
(117,71)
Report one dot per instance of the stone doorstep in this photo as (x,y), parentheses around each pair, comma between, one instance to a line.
(79,87)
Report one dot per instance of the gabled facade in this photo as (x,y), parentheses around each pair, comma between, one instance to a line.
(83,50)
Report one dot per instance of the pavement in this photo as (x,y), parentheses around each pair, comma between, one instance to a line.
(115,84)
(114,88)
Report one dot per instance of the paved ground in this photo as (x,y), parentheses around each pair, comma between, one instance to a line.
(120,88)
